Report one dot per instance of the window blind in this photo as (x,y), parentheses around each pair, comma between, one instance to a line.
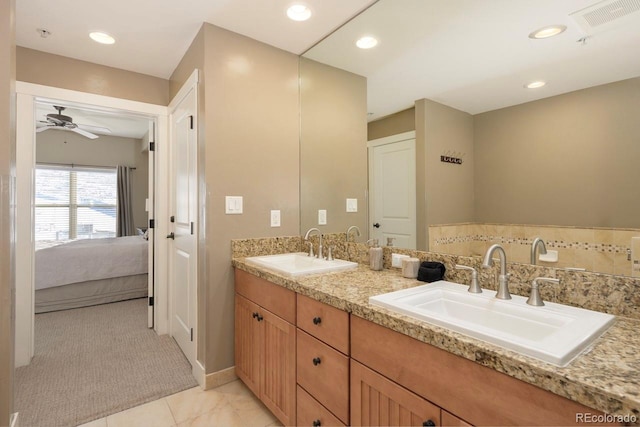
(75,202)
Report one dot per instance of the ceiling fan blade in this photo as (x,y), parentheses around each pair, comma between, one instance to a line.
(83,133)
(97,129)
(42,129)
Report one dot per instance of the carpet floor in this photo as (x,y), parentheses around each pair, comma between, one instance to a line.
(95,361)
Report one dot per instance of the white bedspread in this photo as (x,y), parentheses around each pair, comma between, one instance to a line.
(91,259)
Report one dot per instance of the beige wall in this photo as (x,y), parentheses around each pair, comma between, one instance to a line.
(250,127)
(70,148)
(571,159)
(333,147)
(38,67)
(7,227)
(393,124)
(444,190)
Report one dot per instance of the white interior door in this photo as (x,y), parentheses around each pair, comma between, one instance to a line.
(392,191)
(184,210)
(150,205)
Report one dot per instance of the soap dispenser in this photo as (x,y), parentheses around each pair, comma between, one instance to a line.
(375,255)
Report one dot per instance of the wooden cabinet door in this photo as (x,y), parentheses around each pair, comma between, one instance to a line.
(247,343)
(278,377)
(378,401)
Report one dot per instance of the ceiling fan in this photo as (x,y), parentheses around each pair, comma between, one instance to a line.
(62,122)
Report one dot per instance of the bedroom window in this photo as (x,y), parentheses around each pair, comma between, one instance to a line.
(75,202)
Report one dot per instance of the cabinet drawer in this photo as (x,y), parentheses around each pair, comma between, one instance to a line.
(312,413)
(324,373)
(450,420)
(278,300)
(324,322)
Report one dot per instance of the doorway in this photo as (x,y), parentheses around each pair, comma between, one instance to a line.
(29,97)
(392,190)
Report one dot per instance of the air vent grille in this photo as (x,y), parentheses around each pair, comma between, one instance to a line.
(603,14)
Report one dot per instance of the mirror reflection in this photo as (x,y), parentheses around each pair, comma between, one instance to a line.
(495,161)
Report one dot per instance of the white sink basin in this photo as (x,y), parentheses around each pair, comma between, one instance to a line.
(299,263)
(554,333)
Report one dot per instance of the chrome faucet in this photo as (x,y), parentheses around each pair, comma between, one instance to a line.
(306,237)
(503,278)
(353,227)
(543,249)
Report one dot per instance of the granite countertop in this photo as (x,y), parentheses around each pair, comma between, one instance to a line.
(606,377)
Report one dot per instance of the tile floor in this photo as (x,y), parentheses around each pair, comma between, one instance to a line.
(229,405)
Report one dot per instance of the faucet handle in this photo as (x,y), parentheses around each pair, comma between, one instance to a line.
(474,287)
(330,254)
(535,298)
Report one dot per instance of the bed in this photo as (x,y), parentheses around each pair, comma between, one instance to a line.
(88,272)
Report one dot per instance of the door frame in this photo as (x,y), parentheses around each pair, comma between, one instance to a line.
(392,139)
(27,95)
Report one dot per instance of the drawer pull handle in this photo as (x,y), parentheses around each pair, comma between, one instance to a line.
(316,361)
(316,423)
(317,320)
(254,315)
(260,318)
(428,423)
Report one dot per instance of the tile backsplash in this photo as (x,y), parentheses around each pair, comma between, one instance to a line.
(604,250)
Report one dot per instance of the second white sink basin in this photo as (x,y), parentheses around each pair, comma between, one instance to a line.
(554,333)
(299,263)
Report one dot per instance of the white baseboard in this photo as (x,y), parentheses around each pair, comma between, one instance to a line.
(197,371)
(13,420)
(216,379)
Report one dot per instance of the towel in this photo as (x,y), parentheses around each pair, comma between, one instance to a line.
(431,271)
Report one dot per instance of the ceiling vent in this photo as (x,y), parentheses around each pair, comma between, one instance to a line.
(606,14)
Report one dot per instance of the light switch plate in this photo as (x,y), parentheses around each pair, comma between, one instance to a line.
(352,205)
(275,218)
(233,205)
(322,217)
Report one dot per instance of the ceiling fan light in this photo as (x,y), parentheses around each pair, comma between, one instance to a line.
(102,38)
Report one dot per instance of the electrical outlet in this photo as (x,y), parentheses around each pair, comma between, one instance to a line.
(322,217)
(275,218)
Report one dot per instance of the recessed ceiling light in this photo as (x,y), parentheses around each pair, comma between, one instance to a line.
(299,12)
(535,85)
(366,42)
(103,38)
(549,31)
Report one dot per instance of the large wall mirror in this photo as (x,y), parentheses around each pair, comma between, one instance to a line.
(495,161)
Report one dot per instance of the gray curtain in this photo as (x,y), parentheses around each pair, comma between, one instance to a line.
(125,203)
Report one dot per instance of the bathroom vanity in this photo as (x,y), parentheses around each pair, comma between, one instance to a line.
(317,353)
